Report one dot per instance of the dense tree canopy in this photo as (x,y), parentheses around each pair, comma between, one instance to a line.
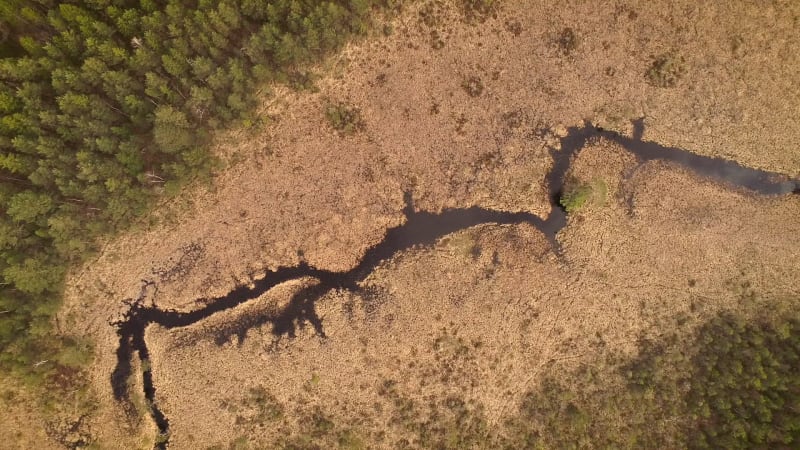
(731,384)
(745,388)
(103,100)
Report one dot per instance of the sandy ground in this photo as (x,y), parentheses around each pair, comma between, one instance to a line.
(296,189)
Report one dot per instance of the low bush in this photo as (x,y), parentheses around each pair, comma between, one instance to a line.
(577,194)
(344,118)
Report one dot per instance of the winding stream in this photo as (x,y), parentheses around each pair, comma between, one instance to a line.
(421,228)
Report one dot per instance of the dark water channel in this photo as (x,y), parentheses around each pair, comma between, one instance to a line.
(420,229)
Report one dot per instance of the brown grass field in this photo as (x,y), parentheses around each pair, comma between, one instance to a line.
(458,113)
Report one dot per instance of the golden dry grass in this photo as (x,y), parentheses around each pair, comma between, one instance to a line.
(486,311)
(296,189)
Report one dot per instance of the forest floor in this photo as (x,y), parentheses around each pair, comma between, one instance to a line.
(462,114)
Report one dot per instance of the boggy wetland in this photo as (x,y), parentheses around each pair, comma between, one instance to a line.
(420,229)
(463,224)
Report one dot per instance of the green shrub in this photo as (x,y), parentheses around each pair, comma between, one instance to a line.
(161,439)
(733,384)
(345,119)
(567,41)
(260,407)
(577,194)
(745,384)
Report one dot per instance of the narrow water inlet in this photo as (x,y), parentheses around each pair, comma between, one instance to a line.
(420,229)
(719,169)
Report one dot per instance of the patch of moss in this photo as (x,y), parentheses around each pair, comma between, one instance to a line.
(666,70)
(463,244)
(240,443)
(473,86)
(437,41)
(568,41)
(432,14)
(350,440)
(477,10)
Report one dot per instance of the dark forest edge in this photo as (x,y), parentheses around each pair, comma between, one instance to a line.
(730,382)
(106,106)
